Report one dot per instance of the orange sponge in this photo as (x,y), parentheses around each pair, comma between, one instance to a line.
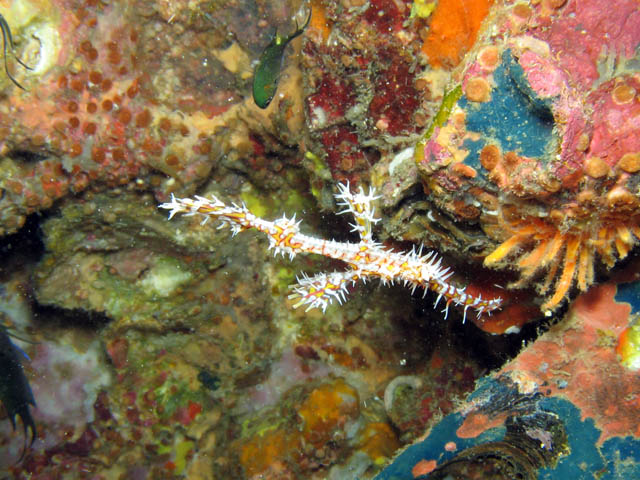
(453,30)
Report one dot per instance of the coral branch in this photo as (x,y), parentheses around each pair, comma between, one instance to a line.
(365,258)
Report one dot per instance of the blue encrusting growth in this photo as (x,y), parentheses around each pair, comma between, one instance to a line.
(515,118)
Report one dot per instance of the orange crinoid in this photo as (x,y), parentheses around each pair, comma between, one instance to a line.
(564,251)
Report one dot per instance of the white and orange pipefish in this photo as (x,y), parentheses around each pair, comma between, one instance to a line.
(365,259)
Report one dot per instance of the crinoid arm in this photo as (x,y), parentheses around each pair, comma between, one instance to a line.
(564,283)
(560,259)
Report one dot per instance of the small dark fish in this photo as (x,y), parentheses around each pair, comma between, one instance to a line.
(15,391)
(7,39)
(267,73)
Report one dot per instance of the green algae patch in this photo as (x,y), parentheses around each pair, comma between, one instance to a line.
(449,101)
(268,205)
(285,276)
(138,300)
(257,204)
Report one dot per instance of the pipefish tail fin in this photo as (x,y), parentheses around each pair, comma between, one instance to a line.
(267,72)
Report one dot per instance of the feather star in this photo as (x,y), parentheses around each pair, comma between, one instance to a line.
(365,259)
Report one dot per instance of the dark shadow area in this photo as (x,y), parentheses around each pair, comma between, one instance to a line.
(23,247)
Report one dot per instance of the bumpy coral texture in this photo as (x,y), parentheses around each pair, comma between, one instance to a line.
(361,89)
(542,149)
(582,352)
(93,116)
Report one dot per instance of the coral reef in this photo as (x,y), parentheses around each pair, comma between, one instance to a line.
(362,97)
(169,350)
(584,348)
(94,118)
(191,358)
(541,147)
(566,406)
(453,30)
(71,372)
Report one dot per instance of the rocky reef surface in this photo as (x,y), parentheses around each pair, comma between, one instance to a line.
(501,134)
